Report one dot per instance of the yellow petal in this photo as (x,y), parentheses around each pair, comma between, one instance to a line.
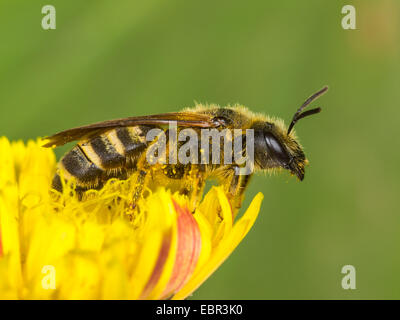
(206,236)
(224,249)
(187,252)
(155,244)
(10,236)
(167,269)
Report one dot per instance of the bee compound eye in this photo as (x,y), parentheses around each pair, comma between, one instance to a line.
(276,151)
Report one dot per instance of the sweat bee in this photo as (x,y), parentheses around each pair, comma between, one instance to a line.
(120,148)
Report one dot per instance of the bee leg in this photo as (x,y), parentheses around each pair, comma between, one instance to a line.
(139,186)
(143,170)
(197,194)
(193,188)
(235,188)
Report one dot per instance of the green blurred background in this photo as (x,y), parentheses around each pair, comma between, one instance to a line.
(111,59)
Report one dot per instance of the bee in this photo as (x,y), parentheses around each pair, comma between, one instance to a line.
(118,149)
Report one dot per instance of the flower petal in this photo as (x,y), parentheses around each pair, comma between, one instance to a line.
(7,163)
(1,243)
(188,250)
(10,241)
(224,249)
(156,244)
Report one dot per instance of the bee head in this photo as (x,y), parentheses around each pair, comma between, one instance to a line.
(275,147)
(286,153)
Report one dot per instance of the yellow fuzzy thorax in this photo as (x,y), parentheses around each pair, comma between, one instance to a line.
(245,118)
(249,116)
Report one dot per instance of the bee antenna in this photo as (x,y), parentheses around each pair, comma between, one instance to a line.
(298,115)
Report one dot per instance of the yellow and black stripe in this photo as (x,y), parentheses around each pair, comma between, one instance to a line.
(110,154)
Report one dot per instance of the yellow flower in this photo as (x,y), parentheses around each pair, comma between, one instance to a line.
(62,247)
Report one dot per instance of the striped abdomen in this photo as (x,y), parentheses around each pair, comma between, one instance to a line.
(111,154)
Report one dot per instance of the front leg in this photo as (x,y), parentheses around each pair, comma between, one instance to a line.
(235,186)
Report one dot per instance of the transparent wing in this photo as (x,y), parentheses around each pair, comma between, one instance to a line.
(183,119)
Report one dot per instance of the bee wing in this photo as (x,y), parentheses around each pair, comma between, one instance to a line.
(183,119)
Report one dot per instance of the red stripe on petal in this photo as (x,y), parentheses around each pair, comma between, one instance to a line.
(162,258)
(188,250)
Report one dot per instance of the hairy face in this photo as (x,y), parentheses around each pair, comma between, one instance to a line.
(274,148)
